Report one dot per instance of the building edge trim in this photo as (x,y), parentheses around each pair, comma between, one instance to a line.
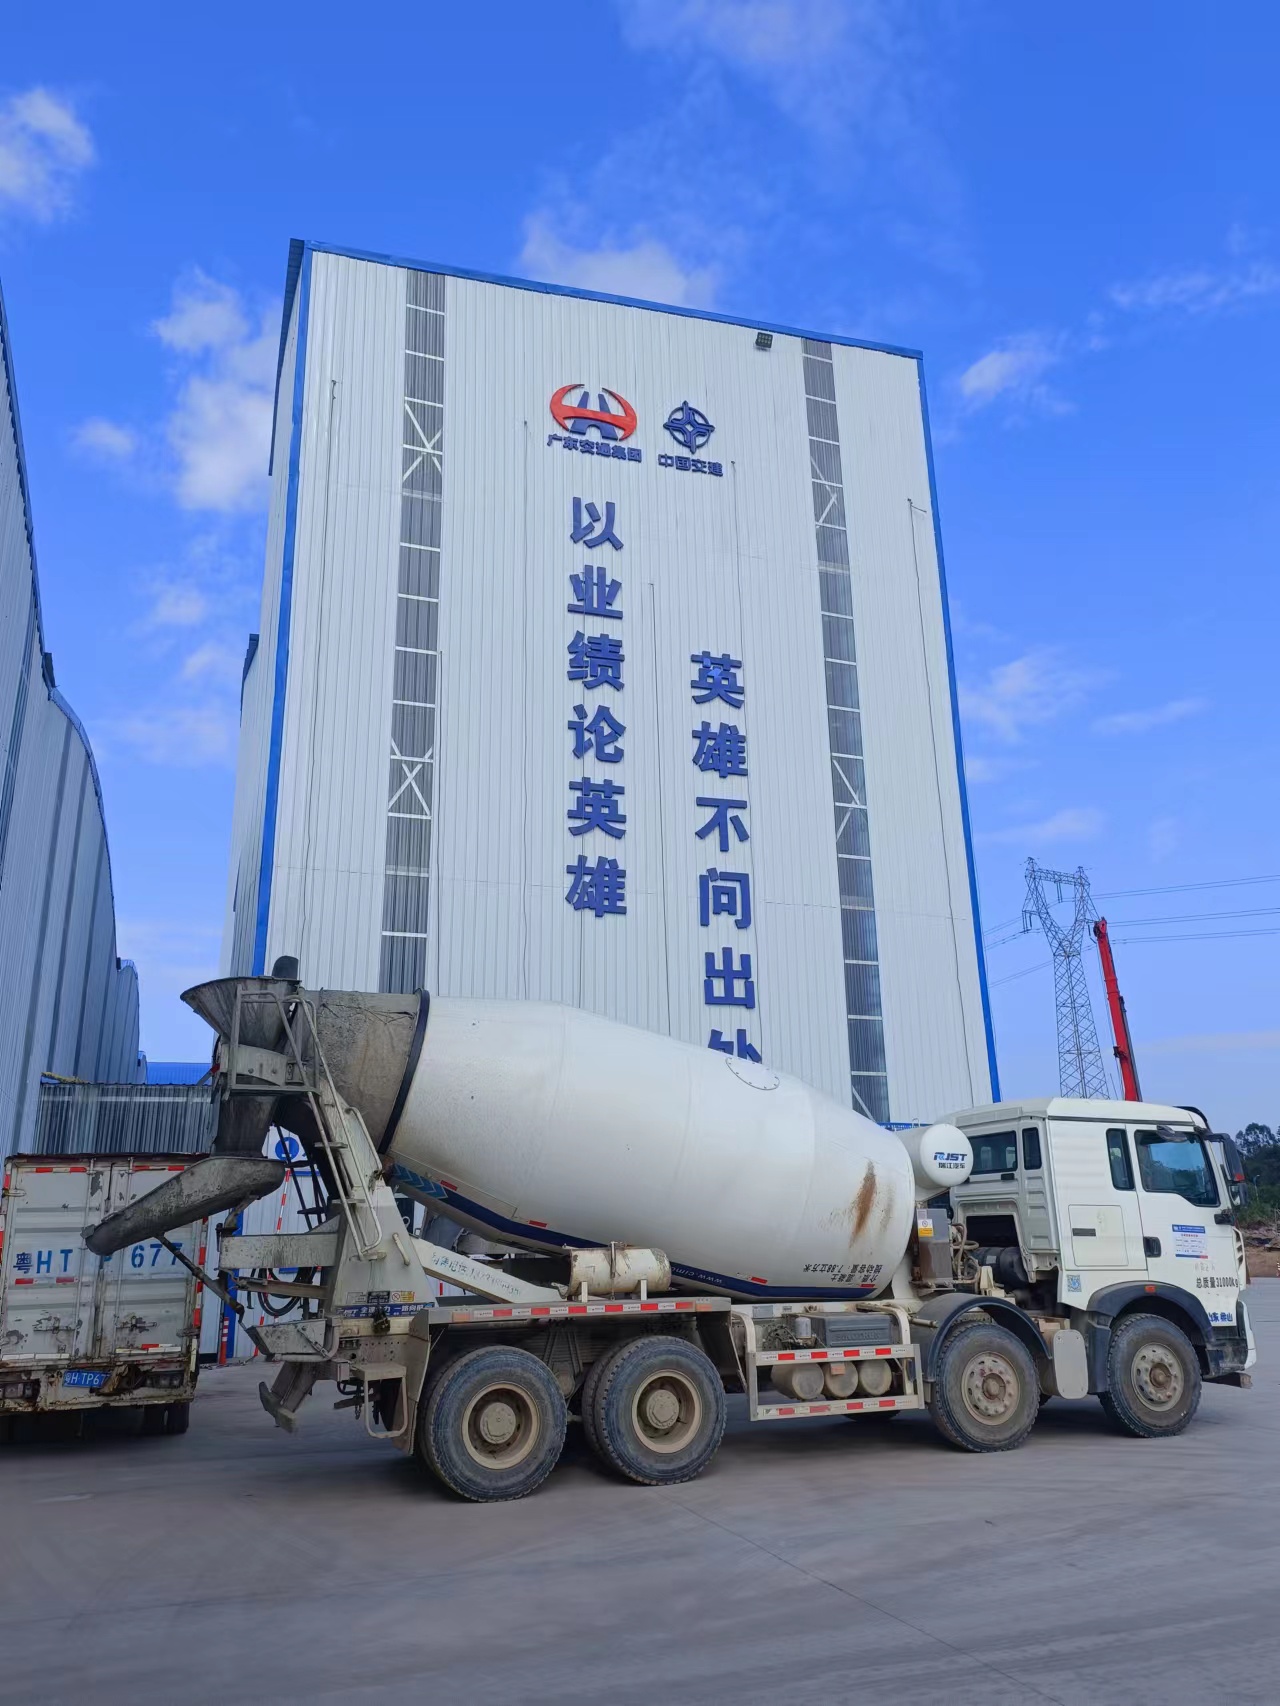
(988,1027)
(284,617)
(477,277)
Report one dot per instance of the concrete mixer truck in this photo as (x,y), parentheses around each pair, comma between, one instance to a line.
(662,1225)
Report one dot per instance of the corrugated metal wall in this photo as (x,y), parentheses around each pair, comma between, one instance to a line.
(725,564)
(67,1004)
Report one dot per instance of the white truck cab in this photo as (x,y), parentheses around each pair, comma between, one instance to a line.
(1099,1211)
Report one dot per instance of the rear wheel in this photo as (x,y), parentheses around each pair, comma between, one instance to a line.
(985,1392)
(657,1411)
(177,1418)
(1153,1378)
(587,1403)
(153,1420)
(492,1425)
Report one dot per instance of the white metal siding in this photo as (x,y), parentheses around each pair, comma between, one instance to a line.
(935,1039)
(66,1003)
(726,564)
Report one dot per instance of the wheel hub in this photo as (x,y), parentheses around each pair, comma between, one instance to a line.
(497,1423)
(991,1387)
(500,1427)
(667,1411)
(1157,1374)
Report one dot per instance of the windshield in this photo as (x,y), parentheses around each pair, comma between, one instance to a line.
(1177,1165)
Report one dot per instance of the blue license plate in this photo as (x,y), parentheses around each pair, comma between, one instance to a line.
(85,1377)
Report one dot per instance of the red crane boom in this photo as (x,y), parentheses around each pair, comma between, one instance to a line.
(1119,1018)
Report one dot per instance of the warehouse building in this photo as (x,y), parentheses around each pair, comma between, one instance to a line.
(67,1004)
(604,659)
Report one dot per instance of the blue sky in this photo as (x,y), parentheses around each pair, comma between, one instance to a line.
(1073,215)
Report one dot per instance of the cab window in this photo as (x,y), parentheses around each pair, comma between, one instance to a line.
(1178,1166)
(1118,1156)
(1031,1148)
(997,1152)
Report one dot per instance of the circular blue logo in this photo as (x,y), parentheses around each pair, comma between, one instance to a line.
(689,426)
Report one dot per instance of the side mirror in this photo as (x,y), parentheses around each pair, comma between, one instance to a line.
(1233,1163)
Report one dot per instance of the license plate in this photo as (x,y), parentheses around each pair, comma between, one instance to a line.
(85,1377)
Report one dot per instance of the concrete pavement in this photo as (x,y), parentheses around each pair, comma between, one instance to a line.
(845,1560)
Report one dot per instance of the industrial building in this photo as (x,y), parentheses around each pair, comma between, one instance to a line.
(604,658)
(67,1004)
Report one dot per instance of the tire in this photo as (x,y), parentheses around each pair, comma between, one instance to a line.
(1153,1378)
(177,1418)
(154,1417)
(986,1395)
(492,1425)
(657,1411)
(586,1404)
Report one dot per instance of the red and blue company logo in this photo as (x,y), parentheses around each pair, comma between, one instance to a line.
(578,421)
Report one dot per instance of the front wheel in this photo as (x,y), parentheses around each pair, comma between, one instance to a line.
(492,1426)
(1153,1378)
(657,1411)
(986,1396)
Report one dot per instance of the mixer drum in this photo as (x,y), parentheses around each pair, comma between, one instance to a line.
(543,1126)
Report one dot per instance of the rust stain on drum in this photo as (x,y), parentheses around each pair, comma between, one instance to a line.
(862,1203)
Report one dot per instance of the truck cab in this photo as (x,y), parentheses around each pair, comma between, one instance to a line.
(1098,1211)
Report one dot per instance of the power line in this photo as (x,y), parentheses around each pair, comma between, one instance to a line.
(1198,917)
(1198,936)
(1042,965)
(1185,888)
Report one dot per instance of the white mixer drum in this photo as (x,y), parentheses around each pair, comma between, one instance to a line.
(544,1126)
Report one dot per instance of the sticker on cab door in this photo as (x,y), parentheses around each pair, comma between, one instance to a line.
(1190,1241)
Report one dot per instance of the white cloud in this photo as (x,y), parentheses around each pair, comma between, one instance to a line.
(184,736)
(643,268)
(214,661)
(1028,691)
(1198,290)
(1074,823)
(219,429)
(1014,371)
(106,440)
(1210,1042)
(979,767)
(43,150)
(1154,717)
(177,604)
(825,63)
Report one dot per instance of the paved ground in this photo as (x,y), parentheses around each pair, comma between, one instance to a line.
(840,1561)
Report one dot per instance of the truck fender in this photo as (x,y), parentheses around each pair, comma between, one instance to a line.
(1183,1308)
(934,1322)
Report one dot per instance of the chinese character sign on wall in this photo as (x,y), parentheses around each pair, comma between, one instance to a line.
(596,814)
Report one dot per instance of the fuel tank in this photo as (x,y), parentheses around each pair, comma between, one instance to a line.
(542,1126)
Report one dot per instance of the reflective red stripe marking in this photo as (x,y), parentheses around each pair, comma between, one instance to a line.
(786,1409)
(756,1280)
(614,1308)
(648,1306)
(577,1309)
(540,1309)
(684,1303)
(786,1356)
(887,1403)
(77,1169)
(24,1282)
(884,1350)
(501,1314)
(65,1279)
(541,1223)
(42,1169)
(448,1185)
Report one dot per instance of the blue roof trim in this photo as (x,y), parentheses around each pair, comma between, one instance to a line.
(598,296)
(24,486)
(271,802)
(292,273)
(955,727)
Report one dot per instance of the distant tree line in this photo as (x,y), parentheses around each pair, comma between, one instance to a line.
(1260,1147)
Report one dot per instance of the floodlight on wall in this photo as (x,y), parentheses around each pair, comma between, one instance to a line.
(764,340)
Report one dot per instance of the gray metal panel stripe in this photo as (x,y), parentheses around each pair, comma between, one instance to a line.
(66,916)
(16,725)
(88,954)
(24,1071)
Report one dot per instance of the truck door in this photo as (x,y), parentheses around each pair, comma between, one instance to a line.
(50,1278)
(1187,1233)
(147,1294)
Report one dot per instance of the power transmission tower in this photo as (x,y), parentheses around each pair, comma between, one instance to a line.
(1080,1068)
